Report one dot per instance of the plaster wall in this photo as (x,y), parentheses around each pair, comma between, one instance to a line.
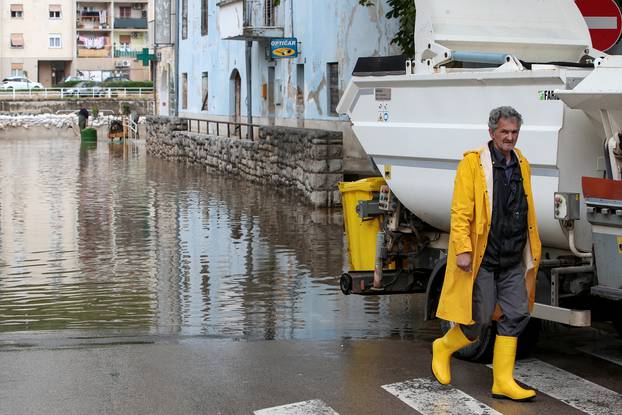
(328,31)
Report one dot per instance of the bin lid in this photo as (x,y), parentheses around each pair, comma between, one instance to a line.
(370,184)
(532,30)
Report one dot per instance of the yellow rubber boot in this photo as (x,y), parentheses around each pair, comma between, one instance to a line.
(442,349)
(504,386)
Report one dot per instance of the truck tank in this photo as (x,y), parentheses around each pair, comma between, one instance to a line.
(416,125)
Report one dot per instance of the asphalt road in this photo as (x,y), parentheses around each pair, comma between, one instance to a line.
(575,371)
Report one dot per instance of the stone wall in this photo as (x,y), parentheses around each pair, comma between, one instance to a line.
(302,160)
(51,106)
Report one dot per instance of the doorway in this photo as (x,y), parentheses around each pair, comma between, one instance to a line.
(271,103)
(236,98)
(300,95)
(163,94)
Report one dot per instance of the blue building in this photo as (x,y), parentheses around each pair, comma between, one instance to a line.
(217,38)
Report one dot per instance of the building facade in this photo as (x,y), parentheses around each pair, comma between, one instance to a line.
(37,39)
(109,37)
(164,30)
(302,91)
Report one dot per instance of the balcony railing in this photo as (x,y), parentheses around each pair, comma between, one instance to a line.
(248,19)
(84,52)
(129,23)
(126,53)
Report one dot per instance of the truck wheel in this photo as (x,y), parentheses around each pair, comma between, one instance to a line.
(617,324)
(481,350)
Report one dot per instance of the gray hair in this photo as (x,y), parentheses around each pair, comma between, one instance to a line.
(503,112)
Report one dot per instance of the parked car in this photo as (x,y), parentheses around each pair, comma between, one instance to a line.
(116,79)
(73,78)
(19,82)
(86,89)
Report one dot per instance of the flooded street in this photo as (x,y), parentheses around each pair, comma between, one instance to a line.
(101,237)
(130,285)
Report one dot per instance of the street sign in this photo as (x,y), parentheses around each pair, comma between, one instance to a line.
(604,20)
(284,48)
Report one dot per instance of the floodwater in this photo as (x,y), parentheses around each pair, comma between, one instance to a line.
(103,238)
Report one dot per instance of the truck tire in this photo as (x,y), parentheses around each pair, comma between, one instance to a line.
(617,323)
(482,350)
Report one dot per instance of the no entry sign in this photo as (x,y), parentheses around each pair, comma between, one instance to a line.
(604,20)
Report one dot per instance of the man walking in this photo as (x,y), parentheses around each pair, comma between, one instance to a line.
(83,117)
(493,257)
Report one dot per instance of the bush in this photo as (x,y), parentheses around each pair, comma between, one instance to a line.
(127,84)
(69,84)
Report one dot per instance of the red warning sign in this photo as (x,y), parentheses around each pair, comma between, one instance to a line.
(604,20)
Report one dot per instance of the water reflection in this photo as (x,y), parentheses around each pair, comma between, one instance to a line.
(100,236)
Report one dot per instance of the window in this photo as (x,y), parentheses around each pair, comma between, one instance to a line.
(269,13)
(184,91)
(125,41)
(17,11)
(54,40)
(17,69)
(17,40)
(55,11)
(205,91)
(333,87)
(125,12)
(204,16)
(184,19)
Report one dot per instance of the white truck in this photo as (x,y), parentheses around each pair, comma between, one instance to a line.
(416,117)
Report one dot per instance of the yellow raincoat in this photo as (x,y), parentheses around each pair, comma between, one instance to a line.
(471,213)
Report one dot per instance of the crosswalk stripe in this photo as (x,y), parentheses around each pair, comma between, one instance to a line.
(573,390)
(313,407)
(611,352)
(427,396)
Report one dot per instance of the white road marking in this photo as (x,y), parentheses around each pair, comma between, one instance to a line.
(572,390)
(602,22)
(313,407)
(429,397)
(610,352)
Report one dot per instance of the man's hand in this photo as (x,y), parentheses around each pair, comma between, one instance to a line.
(463,261)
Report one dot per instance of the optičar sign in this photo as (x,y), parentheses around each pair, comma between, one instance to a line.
(284,48)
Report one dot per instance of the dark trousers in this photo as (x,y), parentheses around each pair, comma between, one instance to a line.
(506,288)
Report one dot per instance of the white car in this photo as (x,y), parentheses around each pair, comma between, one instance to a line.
(19,82)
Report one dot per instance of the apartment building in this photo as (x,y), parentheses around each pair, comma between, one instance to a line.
(37,39)
(109,37)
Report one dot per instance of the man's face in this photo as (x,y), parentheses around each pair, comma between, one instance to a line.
(506,135)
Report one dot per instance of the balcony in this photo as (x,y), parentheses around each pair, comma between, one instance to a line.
(84,52)
(248,20)
(130,23)
(126,53)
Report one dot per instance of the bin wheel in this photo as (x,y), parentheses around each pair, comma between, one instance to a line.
(345,283)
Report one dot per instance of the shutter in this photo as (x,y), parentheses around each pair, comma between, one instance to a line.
(17,39)
(125,39)
(55,8)
(17,66)
(17,7)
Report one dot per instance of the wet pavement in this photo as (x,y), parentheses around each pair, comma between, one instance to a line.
(130,285)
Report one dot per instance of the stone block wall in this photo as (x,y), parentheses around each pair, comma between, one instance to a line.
(303,160)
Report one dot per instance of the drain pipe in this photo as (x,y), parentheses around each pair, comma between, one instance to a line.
(177,39)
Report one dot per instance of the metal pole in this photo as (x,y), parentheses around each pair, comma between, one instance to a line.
(249,89)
